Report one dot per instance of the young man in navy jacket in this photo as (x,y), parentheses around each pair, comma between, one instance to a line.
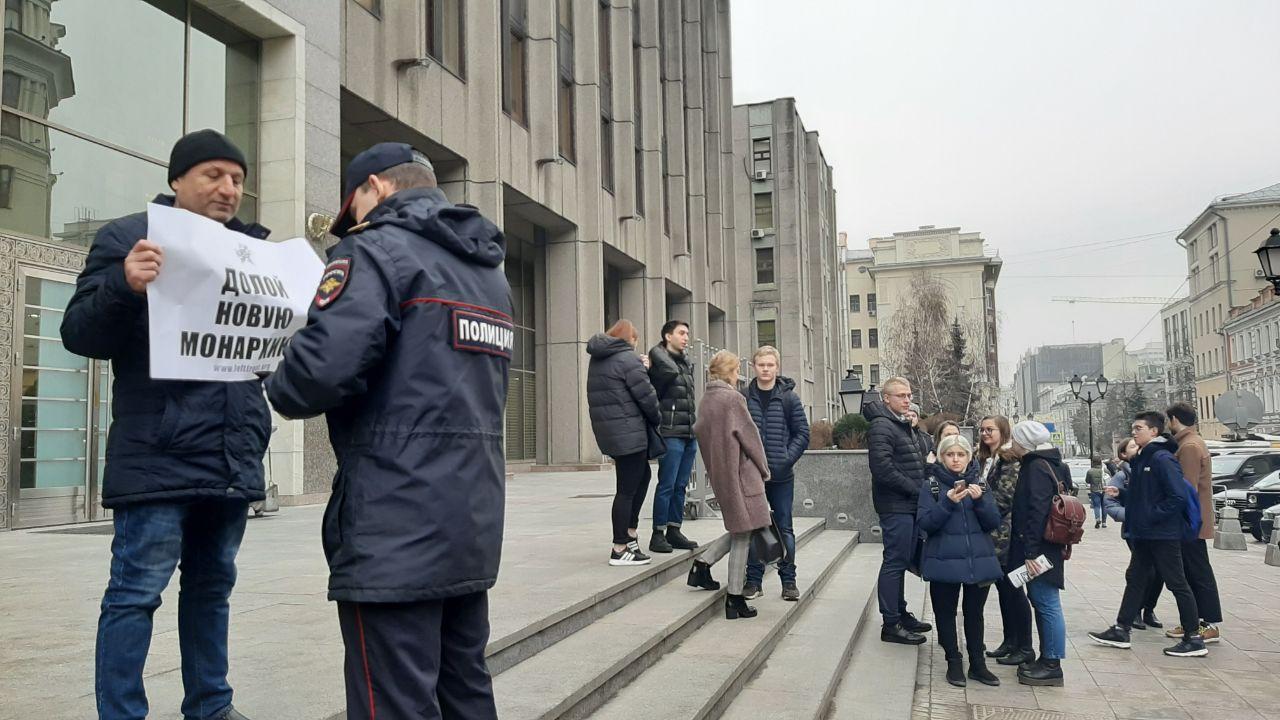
(779,416)
(1155,502)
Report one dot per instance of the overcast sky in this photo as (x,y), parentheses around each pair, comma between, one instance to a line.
(1043,126)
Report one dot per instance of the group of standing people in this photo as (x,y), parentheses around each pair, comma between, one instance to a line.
(643,408)
(964,521)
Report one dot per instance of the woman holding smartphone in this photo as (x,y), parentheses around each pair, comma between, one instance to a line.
(958,517)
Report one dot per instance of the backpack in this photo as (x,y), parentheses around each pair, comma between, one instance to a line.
(1067,515)
(1191,512)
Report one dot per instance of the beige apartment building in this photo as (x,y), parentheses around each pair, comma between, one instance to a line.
(1222,274)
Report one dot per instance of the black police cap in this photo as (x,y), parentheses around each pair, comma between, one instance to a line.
(377,159)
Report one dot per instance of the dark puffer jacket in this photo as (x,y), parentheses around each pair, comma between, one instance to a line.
(1155,496)
(897,467)
(1038,477)
(672,379)
(783,427)
(959,547)
(622,401)
(169,439)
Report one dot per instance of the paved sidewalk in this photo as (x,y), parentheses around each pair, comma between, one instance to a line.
(286,652)
(1239,680)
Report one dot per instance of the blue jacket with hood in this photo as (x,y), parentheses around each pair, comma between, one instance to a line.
(406,351)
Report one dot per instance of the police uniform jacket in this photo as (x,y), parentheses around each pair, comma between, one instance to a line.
(169,440)
(406,351)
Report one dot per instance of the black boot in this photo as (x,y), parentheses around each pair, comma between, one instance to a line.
(978,670)
(901,636)
(1150,620)
(735,606)
(1018,657)
(677,539)
(914,625)
(955,672)
(700,576)
(1004,649)
(658,543)
(1046,673)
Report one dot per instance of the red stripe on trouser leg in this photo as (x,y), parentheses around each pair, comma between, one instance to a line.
(368,680)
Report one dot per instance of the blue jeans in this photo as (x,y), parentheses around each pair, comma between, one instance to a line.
(673,479)
(151,539)
(1095,499)
(898,533)
(781,497)
(1050,622)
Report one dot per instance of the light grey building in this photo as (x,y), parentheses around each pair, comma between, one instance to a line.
(792,291)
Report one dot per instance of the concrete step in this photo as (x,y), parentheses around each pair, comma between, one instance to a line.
(573,677)
(880,681)
(800,676)
(701,676)
(527,623)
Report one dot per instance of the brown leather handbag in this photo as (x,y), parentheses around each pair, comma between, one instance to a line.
(1066,519)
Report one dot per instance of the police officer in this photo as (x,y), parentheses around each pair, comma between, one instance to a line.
(406,351)
(184,459)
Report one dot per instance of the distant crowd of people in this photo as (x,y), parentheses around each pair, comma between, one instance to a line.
(966,520)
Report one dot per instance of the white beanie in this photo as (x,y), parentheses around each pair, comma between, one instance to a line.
(1031,435)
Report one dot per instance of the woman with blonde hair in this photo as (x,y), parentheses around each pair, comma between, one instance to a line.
(737,469)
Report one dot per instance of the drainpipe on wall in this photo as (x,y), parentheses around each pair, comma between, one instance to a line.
(1231,297)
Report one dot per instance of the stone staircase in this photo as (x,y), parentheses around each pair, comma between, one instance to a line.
(648,646)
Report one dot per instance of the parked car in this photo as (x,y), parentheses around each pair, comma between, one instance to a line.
(1250,502)
(1078,468)
(1240,470)
(1268,522)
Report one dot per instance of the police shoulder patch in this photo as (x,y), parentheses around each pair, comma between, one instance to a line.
(481,332)
(333,281)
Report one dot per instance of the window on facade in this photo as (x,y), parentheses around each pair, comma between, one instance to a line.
(605,33)
(855,339)
(445,34)
(767,332)
(855,303)
(764,266)
(1213,236)
(873,338)
(6,186)
(1213,268)
(13,14)
(764,211)
(515,81)
(567,127)
(199,71)
(638,129)
(875,374)
(871,303)
(373,6)
(761,155)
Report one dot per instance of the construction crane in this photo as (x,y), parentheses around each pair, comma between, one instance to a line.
(1119,300)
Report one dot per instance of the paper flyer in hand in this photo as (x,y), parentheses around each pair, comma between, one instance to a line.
(1019,575)
(224,305)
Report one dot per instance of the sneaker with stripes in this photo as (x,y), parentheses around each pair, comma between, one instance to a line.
(628,556)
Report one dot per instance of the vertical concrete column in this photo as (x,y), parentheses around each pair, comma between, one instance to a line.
(484,107)
(575,302)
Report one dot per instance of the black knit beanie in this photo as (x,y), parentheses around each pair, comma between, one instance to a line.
(202,146)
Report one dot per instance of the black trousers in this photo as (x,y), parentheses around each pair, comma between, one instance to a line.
(1163,558)
(633,475)
(945,598)
(418,660)
(1152,594)
(1015,614)
(1195,562)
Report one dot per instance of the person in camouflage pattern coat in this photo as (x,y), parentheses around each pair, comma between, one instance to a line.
(1000,474)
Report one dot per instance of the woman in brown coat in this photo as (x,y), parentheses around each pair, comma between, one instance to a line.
(737,470)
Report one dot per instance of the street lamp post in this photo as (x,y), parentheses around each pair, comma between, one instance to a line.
(851,393)
(1269,257)
(1084,390)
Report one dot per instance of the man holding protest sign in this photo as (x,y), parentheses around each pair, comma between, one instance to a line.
(406,350)
(183,459)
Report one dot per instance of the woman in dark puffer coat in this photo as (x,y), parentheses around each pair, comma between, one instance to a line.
(958,517)
(623,407)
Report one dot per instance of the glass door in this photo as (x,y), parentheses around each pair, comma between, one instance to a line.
(60,411)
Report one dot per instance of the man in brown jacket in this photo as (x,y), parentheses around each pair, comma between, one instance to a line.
(1193,456)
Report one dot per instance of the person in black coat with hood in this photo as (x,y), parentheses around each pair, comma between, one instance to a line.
(1041,475)
(624,411)
(957,516)
(672,378)
(897,472)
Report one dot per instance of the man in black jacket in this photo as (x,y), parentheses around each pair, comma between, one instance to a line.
(897,472)
(406,351)
(779,416)
(672,378)
(184,459)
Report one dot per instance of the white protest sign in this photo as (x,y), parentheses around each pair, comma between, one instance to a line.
(224,305)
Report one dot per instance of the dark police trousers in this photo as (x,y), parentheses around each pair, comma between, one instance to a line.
(1162,558)
(899,537)
(406,661)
